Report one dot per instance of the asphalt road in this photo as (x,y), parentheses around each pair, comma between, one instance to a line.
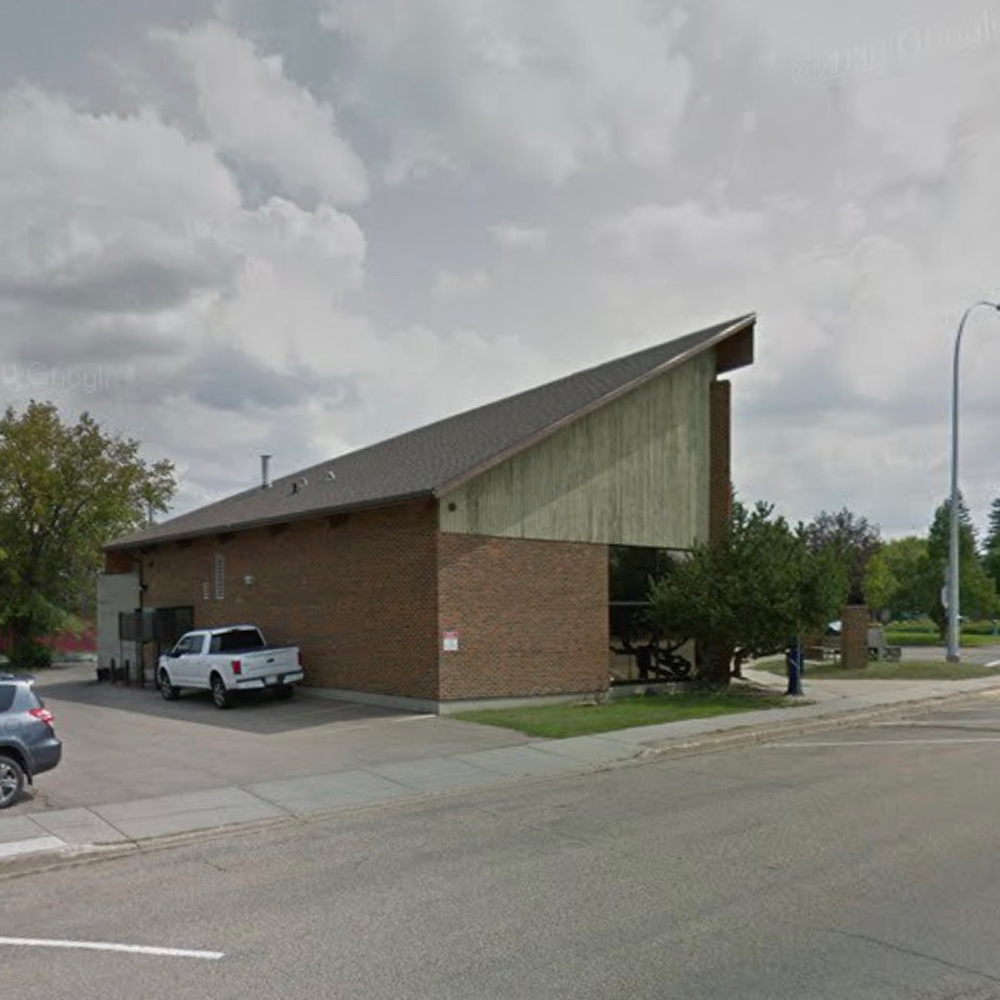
(854,863)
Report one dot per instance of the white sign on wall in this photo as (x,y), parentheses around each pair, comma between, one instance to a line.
(450,643)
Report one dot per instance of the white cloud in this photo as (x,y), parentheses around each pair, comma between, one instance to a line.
(543,90)
(252,110)
(105,212)
(514,237)
(686,228)
(128,259)
(460,284)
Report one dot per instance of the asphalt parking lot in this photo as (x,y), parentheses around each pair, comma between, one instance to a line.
(122,743)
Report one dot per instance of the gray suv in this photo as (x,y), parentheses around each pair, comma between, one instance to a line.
(28,742)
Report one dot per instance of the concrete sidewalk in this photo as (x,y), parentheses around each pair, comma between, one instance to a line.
(828,704)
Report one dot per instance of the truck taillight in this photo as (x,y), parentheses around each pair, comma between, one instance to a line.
(237,666)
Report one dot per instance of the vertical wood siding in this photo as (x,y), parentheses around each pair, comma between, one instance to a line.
(635,472)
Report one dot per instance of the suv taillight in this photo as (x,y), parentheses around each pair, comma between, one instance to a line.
(42,714)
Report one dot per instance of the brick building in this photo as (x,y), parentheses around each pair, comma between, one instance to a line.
(470,559)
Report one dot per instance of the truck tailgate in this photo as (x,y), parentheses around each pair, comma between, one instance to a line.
(268,663)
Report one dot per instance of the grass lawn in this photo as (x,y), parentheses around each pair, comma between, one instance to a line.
(912,670)
(900,637)
(556,721)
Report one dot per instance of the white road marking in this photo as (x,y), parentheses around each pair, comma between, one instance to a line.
(132,949)
(15,847)
(885,743)
(993,663)
(415,718)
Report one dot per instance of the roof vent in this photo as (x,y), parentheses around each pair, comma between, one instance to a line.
(265,471)
(330,475)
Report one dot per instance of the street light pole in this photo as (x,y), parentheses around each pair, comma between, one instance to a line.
(953,569)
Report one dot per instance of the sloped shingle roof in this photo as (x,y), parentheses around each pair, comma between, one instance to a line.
(439,456)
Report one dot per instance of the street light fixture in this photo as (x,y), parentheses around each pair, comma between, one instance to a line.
(953,588)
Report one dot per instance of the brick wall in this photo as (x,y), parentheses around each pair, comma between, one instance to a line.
(531,617)
(356,593)
(720,489)
(854,622)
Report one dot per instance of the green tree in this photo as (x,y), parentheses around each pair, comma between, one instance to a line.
(991,545)
(851,541)
(880,583)
(746,593)
(993,528)
(65,491)
(977,592)
(917,582)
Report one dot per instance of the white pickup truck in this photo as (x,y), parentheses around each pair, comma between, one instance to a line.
(226,660)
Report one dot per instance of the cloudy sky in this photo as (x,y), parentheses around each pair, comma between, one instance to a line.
(260,226)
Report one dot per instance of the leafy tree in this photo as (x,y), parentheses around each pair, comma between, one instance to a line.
(916,581)
(65,491)
(880,583)
(849,540)
(977,592)
(746,593)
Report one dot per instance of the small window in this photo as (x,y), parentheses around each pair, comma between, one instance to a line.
(220,577)
(7,692)
(237,640)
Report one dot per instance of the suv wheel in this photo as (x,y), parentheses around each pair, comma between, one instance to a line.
(11,781)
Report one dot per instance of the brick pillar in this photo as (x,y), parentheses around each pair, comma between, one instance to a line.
(854,621)
(720,486)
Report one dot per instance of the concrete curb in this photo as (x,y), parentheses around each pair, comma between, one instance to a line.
(32,842)
(780,730)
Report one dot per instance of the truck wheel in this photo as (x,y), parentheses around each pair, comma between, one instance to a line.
(169,692)
(11,781)
(221,697)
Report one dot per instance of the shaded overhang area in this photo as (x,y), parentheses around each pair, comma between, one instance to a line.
(736,350)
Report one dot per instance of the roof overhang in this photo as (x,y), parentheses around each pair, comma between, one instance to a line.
(733,349)
(736,350)
(138,544)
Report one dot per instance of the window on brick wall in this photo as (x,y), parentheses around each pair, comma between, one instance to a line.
(631,569)
(220,577)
